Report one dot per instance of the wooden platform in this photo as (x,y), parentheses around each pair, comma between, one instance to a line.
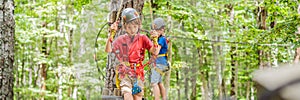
(104,97)
(112,97)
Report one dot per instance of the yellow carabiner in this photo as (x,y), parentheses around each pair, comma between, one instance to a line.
(117,79)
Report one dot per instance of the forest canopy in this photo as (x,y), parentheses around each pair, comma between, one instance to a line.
(215,46)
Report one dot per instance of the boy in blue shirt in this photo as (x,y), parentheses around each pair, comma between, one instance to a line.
(158,27)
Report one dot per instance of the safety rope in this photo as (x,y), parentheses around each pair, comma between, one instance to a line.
(95,50)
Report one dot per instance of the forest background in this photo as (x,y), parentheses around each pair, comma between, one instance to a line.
(215,46)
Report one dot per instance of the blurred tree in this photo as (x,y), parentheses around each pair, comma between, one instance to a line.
(7,42)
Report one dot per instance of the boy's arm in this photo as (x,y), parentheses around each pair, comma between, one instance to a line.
(155,49)
(113,29)
(108,46)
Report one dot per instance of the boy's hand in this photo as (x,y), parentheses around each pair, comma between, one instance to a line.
(114,26)
(113,30)
(154,34)
(154,37)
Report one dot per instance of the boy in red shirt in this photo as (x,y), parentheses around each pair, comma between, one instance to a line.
(130,50)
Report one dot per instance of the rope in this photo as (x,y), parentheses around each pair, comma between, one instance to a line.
(95,49)
(227,42)
(119,11)
(231,42)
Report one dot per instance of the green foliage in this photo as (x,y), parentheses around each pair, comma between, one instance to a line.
(193,26)
(48,24)
(191,19)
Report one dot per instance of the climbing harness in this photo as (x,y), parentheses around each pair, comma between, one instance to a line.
(135,70)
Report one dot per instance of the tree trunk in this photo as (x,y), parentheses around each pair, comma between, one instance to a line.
(248,90)
(233,56)
(262,12)
(71,77)
(194,69)
(23,65)
(261,20)
(116,8)
(193,95)
(60,82)
(202,75)
(222,65)
(297,51)
(24,58)
(17,84)
(59,74)
(178,85)
(43,70)
(186,72)
(216,55)
(233,81)
(274,51)
(260,59)
(30,77)
(7,31)
(168,73)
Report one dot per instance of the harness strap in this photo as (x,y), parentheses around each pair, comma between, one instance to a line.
(162,55)
(159,71)
(117,79)
(133,64)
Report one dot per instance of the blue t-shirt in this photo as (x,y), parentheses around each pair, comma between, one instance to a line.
(163,43)
(164,48)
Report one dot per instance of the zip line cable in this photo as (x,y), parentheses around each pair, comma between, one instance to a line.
(230,42)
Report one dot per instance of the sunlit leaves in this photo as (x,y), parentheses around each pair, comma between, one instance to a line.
(193,21)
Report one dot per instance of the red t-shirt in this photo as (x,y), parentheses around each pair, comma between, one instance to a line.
(131,49)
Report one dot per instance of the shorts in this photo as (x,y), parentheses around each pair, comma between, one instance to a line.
(127,82)
(156,77)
